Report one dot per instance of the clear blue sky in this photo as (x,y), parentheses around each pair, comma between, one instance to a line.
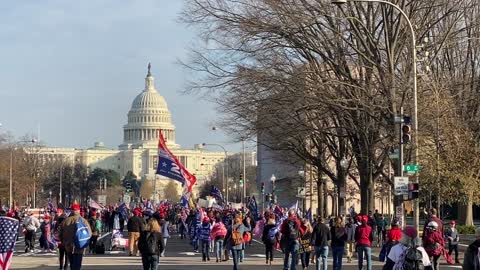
(74,67)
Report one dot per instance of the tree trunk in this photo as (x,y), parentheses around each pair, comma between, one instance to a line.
(465,212)
(319,193)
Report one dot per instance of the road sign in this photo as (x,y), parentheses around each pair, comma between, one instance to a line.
(302,191)
(401,185)
(126,199)
(411,168)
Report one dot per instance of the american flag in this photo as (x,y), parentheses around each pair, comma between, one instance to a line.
(8,235)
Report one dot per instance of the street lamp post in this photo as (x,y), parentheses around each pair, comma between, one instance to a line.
(224,168)
(414,69)
(301,173)
(273,179)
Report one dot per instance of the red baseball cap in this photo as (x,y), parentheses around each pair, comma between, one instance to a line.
(75,207)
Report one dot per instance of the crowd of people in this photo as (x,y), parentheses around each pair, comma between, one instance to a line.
(224,233)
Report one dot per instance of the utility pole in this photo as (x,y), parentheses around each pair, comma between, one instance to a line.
(244,175)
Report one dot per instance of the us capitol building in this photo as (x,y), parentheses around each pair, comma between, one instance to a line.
(139,151)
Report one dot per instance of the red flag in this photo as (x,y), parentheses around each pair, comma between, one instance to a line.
(169,166)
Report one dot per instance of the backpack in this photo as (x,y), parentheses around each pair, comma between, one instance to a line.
(413,259)
(237,237)
(292,229)
(148,243)
(82,234)
(272,234)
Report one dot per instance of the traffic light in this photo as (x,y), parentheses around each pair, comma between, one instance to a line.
(268,197)
(406,129)
(128,187)
(262,189)
(241,180)
(413,191)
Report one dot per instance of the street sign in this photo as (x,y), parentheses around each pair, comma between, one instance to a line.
(411,168)
(401,185)
(126,199)
(302,191)
(102,199)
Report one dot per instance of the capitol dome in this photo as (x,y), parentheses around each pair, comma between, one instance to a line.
(148,115)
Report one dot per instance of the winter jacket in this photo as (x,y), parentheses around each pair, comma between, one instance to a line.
(92,222)
(433,242)
(453,233)
(31,223)
(364,235)
(321,235)
(218,231)
(284,227)
(395,234)
(339,236)
(470,260)
(135,224)
(266,234)
(142,243)
(350,228)
(68,230)
(437,220)
(203,231)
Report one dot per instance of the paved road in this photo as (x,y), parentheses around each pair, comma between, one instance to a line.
(179,255)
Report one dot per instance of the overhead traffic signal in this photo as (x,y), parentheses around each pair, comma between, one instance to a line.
(262,188)
(406,129)
(241,180)
(128,187)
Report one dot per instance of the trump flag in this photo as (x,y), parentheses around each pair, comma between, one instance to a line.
(169,166)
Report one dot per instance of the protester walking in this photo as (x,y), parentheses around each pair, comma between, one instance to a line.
(291,232)
(235,238)
(453,239)
(57,224)
(203,232)
(305,244)
(218,233)
(270,238)
(96,226)
(31,225)
(151,245)
(165,226)
(135,226)
(320,237)
(46,235)
(363,240)
(434,244)
(339,237)
(69,233)
(408,253)
(350,229)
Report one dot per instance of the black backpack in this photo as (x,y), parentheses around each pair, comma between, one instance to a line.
(413,259)
(293,232)
(148,243)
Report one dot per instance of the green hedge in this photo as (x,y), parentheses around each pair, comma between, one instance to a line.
(464,229)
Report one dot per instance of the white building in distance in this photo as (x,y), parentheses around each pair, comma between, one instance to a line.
(139,151)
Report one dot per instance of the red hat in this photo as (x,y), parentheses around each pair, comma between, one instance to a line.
(359,218)
(410,231)
(75,207)
(46,217)
(452,222)
(94,213)
(206,219)
(364,218)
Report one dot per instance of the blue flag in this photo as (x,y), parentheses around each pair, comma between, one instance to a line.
(309,215)
(252,205)
(122,210)
(216,193)
(184,199)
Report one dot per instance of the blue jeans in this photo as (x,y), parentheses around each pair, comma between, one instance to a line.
(218,249)
(305,257)
(292,249)
(337,253)
(236,255)
(321,253)
(150,262)
(75,261)
(368,253)
(205,249)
